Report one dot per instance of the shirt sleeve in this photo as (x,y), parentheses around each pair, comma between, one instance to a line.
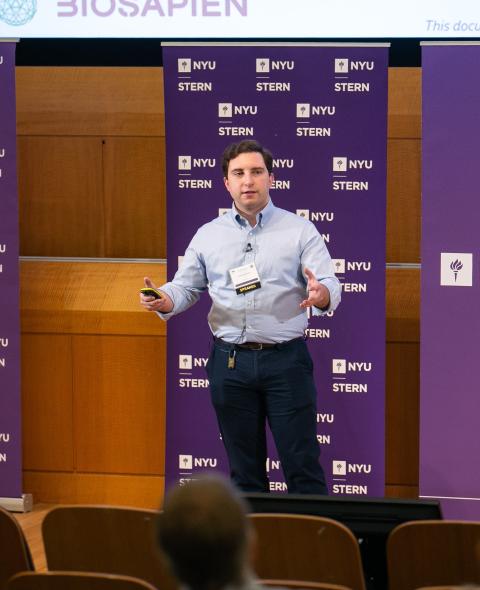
(316,257)
(189,282)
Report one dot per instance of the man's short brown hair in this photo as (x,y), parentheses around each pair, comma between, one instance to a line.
(242,147)
(204,531)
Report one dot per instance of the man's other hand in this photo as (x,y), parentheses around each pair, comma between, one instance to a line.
(318,294)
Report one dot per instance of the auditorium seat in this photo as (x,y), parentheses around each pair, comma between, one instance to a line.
(433,553)
(294,584)
(14,553)
(74,581)
(106,539)
(310,548)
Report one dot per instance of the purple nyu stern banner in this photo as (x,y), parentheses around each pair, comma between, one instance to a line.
(322,111)
(450,318)
(10,413)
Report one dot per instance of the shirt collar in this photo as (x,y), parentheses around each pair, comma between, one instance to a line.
(262,216)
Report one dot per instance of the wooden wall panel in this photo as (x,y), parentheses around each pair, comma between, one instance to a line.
(87,297)
(403,200)
(119,404)
(132,170)
(47,402)
(403,304)
(140,491)
(402,413)
(402,381)
(135,204)
(60,196)
(404,102)
(393,491)
(90,101)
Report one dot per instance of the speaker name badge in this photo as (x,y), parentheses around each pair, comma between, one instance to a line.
(245,278)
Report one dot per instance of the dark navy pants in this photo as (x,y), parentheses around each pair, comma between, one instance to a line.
(273,385)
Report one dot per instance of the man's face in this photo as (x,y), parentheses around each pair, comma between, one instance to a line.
(248,182)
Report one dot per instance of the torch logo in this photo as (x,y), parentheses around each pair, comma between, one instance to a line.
(456,266)
(17,12)
(456,269)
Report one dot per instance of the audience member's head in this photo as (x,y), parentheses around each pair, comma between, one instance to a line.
(204,533)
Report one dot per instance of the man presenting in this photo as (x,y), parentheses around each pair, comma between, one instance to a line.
(262,266)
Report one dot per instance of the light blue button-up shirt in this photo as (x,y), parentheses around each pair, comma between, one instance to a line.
(281,245)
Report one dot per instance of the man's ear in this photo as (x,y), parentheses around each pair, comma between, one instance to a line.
(272,179)
(225,182)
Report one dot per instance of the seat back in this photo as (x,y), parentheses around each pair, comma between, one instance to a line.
(433,553)
(105,539)
(14,553)
(294,584)
(309,548)
(75,581)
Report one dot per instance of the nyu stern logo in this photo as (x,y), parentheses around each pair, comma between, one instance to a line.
(264,65)
(186,65)
(341,265)
(305,110)
(17,12)
(344,65)
(342,366)
(344,468)
(343,164)
(189,162)
(189,462)
(228,109)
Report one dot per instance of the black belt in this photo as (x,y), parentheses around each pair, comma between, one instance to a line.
(256,345)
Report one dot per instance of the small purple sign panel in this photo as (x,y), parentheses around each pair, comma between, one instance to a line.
(322,111)
(450,318)
(10,410)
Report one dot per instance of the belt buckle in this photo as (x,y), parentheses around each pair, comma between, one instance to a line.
(258,346)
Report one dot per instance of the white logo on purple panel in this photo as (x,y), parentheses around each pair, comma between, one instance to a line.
(456,269)
(339,366)
(272,465)
(277,486)
(283,162)
(339,265)
(184,65)
(184,162)
(185,361)
(322,418)
(262,65)
(185,462)
(225,109)
(341,66)
(223,211)
(339,164)
(339,467)
(305,213)
(303,110)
